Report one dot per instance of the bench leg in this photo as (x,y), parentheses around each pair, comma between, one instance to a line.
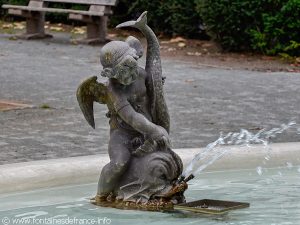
(96,31)
(35,27)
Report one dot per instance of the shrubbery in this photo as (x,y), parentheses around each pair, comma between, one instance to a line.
(2,11)
(171,17)
(280,31)
(268,26)
(53,17)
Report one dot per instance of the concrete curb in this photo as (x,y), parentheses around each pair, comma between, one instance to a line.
(86,169)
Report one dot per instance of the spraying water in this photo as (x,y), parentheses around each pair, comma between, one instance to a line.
(243,138)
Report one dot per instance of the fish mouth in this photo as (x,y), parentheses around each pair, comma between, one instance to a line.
(173,193)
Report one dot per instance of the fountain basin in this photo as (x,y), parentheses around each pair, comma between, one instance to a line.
(61,189)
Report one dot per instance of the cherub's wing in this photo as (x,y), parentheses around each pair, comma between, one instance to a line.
(88,92)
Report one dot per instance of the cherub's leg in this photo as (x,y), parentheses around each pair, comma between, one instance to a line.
(119,158)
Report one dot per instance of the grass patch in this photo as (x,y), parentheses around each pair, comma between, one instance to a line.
(45,106)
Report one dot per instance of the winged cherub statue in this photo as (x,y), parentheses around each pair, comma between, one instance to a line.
(142,167)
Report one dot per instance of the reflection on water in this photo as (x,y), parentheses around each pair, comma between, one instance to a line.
(274,197)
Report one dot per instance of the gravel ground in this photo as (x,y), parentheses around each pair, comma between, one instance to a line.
(203,101)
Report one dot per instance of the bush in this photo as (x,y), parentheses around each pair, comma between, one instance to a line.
(2,11)
(280,32)
(268,26)
(171,17)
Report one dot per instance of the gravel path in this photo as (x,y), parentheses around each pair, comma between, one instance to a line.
(202,101)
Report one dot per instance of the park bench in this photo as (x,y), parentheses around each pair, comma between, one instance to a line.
(96,17)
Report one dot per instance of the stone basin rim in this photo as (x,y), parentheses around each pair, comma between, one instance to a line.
(26,176)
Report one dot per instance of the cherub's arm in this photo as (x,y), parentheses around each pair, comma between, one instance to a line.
(138,121)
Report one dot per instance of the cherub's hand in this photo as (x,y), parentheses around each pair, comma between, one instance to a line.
(161,137)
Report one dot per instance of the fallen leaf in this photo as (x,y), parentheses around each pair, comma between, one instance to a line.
(255,128)
(171,49)
(181,45)
(291,70)
(207,45)
(177,39)
(7,26)
(194,53)
(19,25)
(265,57)
(112,35)
(13,38)
(55,28)
(74,42)
(189,80)
(78,30)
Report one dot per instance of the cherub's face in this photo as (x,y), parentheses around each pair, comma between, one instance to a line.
(126,71)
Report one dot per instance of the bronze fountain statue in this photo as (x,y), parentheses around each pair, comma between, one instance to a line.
(143,171)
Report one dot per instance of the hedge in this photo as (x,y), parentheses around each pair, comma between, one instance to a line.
(171,17)
(266,26)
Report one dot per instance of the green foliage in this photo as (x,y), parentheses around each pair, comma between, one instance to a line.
(18,2)
(172,17)
(12,2)
(45,106)
(267,26)
(280,32)
(2,11)
(53,17)
(229,21)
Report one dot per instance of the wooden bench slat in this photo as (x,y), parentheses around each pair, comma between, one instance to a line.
(57,10)
(88,2)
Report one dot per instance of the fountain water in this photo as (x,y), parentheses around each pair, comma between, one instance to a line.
(211,153)
(273,192)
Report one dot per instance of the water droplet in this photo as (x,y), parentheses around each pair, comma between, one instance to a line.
(259,170)
(289,165)
(243,138)
(279,173)
(299,169)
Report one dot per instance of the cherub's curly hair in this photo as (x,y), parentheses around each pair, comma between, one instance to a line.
(113,52)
